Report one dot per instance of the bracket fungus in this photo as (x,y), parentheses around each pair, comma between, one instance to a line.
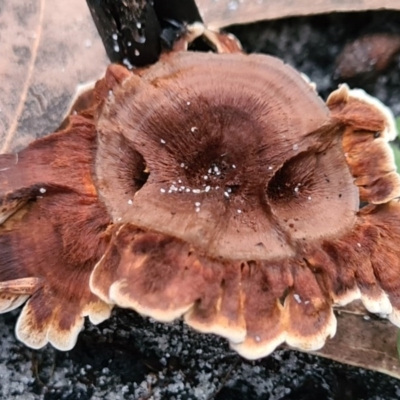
(215,187)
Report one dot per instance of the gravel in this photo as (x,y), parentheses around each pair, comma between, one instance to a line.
(130,357)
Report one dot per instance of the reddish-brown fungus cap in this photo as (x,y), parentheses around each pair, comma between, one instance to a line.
(221,169)
(217,187)
(369,126)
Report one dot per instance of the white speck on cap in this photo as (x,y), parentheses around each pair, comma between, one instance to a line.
(297,298)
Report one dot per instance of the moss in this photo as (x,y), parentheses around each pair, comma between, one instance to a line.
(396,146)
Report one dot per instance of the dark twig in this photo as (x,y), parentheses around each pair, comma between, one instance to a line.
(38,366)
(224,379)
(134,31)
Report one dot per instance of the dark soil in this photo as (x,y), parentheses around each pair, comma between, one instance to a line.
(130,357)
(312,45)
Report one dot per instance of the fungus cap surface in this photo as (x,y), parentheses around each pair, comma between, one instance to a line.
(222,170)
(218,148)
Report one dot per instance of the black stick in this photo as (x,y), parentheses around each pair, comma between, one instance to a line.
(134,31)
(129,30)
(183,11)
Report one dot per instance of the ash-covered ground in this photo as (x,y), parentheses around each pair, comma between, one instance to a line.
(129,357)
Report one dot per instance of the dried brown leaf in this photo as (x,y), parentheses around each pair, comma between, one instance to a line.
(228,12)
(364,341)
(48,48)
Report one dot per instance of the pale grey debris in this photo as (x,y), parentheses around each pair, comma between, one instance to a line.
(106,364)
